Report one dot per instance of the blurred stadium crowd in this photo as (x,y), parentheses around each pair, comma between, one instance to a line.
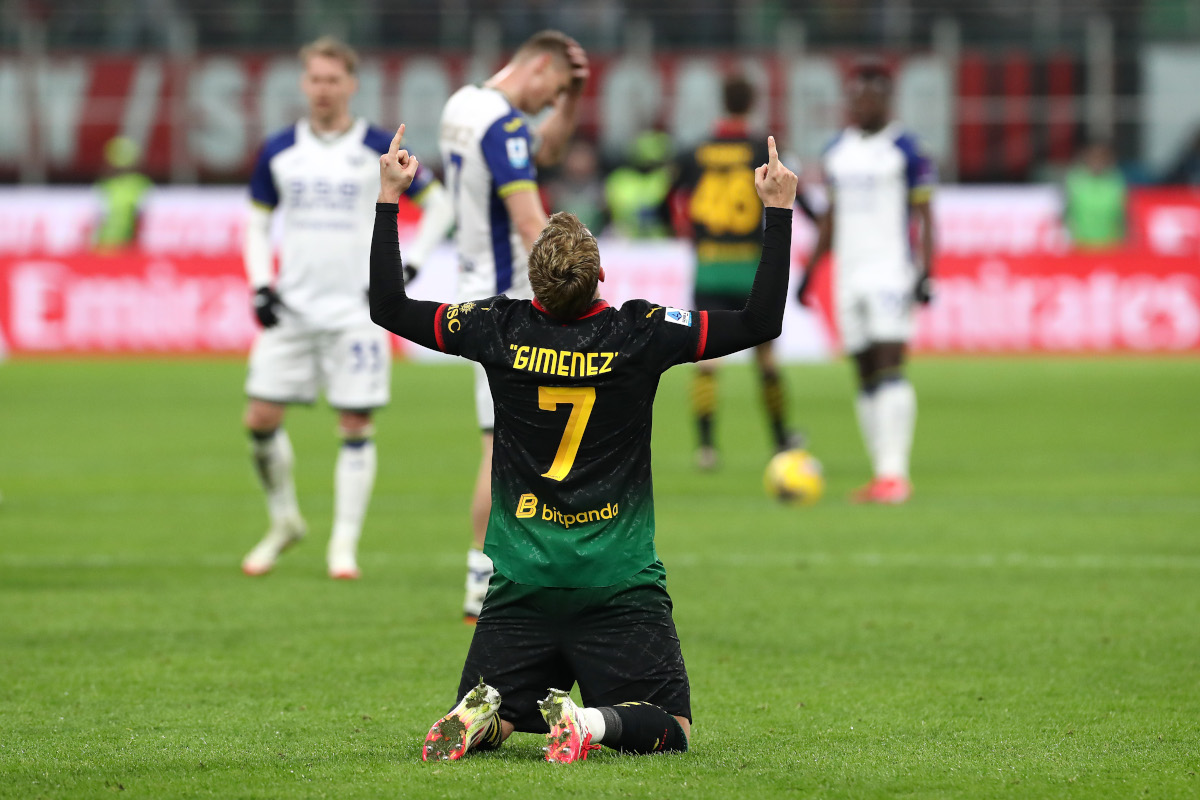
(1023,85)
(141,24)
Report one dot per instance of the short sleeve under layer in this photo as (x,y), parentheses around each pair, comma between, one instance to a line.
(507,147)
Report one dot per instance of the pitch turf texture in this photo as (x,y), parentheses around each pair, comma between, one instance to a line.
(1025,628)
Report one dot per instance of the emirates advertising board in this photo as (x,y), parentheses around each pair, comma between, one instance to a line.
(1008,280)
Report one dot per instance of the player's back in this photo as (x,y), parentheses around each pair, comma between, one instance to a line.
(486,148)
(724,209)
(873,177)
(574,402)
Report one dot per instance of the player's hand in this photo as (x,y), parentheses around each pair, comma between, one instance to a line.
(775,183)
(923,289)
(802,295)
(411,271)
(397,168)
(580,71)
(266,305)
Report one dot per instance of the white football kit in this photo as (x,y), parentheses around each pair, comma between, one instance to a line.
(874,177)
(323,191)
(487,152)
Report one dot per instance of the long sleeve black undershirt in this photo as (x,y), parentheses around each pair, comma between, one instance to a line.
(391,308)
(761,320)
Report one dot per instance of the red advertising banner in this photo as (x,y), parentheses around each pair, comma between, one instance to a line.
(124,304)
(1165,221)
(1078,303)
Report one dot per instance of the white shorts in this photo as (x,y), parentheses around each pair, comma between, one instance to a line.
(485,410)
(868,313)
(352,366)
(468,289)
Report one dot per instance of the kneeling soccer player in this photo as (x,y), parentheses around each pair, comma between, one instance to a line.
(579,595)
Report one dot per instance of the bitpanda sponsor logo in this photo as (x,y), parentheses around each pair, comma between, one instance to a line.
(529,507)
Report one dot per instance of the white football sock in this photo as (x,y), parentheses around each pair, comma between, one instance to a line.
(479,566)
(354,478)
(273,458)
(895,418)
(594,721)
(864,405)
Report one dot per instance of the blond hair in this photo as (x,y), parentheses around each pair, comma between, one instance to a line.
(556,43)
(331,47)
(564,266)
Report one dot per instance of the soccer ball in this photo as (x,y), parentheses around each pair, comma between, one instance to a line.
(794,476)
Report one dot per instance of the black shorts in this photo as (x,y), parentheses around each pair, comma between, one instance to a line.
(617,642)
(724,301)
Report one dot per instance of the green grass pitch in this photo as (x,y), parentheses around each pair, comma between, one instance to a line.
(1026,627)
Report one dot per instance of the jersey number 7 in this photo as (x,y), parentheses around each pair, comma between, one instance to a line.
(581,400)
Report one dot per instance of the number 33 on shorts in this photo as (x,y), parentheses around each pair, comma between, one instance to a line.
(361,374)
(365,356)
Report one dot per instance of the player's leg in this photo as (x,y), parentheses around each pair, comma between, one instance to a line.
(282,370)
(625,653)
(895,416)
(704,408)
(357,368)
(851,307)
(774,398)
(634,727)
(514,655)
(889,323)
(479,566)
(704,387)
(354,479)
(864,403)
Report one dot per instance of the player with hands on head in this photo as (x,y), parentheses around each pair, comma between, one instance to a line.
(317,180)
(879,182)
(579,594)
(491,152)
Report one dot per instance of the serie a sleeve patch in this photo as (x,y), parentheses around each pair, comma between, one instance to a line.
(679,317)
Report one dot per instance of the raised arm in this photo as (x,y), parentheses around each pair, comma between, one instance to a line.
(761,320)
(527,215)
(556,129)
(391,307)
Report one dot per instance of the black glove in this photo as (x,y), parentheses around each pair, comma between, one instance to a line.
(410,272)
(265,302)
(923,289)
(802,290)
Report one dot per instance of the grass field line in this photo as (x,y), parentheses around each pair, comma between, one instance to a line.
(1016,560)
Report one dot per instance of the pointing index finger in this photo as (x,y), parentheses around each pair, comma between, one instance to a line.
(771,151)
(394,149)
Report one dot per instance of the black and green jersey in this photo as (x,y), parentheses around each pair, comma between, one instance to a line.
(572,499)
(724,209)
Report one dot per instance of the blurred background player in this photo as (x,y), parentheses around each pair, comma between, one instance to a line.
(880,183)
(578,188)
(636,192)
(321,177)
(726,221)
(491,157)
(121,192)
(1094,199)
